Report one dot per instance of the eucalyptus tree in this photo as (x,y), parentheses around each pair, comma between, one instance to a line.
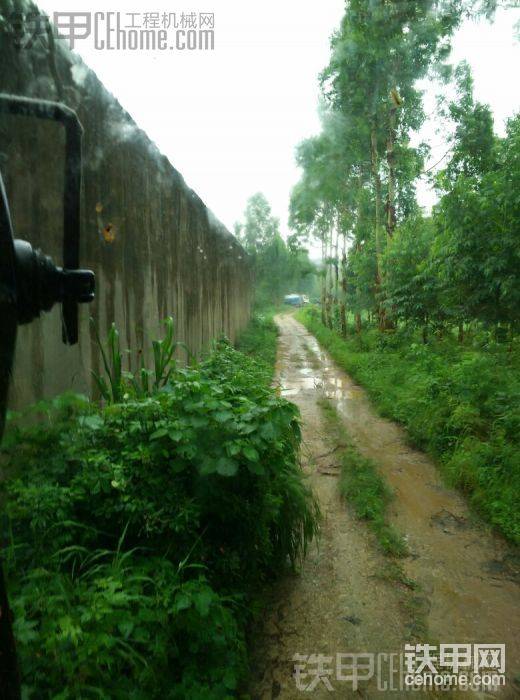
(359,175)
(317,206)
(383,47)
(260,227)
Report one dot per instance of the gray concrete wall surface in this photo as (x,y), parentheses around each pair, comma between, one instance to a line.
(154,246)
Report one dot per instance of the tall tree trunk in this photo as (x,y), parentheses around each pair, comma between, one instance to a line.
(328,283)
(461,332)
(395,101)
(336,276)
(343,307)
(378,209)
(323,281)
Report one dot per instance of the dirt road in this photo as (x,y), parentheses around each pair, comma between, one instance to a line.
(343,601)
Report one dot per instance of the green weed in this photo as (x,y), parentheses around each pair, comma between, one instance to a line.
(366,491)
(364,488)
(459,403)
(143,531)
(259,339)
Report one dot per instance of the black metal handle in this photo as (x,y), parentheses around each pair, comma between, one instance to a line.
(54,111)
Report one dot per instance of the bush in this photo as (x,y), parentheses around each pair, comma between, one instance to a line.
(143,531)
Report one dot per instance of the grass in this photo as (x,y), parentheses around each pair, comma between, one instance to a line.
(259,339)
(364,488)
(461,404)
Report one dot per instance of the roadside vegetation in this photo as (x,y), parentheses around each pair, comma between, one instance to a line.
(143,528)
(366,491)
(458,402)
(423,308)
(259,339)
(363,487)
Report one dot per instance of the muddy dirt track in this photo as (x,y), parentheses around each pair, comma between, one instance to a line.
(344,600)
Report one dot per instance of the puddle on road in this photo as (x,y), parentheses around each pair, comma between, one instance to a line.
(305,380)
(342,392)
(299,384)
(337,603)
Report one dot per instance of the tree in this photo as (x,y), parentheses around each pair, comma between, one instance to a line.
(411,283)
(478,223)
(357,189)
(279,268)
(320,207)
(260,227)
(383,47)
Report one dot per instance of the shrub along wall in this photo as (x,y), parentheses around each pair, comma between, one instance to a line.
(142,534)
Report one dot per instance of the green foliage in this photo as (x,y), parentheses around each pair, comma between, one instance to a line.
(142,532)
(89,628)
(364,488)
(259,340)
(476,248)
(117,384)
(411,284)
(279,268)
(361,275)
(474,140)
(460,403)
(260,227)
(110,386)
(357,189)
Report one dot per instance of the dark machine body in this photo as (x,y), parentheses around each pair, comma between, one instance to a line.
(31,283)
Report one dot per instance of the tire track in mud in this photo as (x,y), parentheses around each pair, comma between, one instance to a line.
(340,602)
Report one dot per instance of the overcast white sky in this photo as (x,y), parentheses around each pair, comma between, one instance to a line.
(229,119)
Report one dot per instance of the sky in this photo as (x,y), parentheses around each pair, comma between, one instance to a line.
(230,119)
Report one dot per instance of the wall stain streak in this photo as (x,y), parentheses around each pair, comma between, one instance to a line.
(150,263)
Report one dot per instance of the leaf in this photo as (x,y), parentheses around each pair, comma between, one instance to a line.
(125,628)
(256,468)
(251,453)
(227,467)
(233,448)
(159,433)
(230,679)
(203,601)
(267,431)
(182,602)
(94,422)
(222,416)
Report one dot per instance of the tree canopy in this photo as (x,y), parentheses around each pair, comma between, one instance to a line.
(383,258)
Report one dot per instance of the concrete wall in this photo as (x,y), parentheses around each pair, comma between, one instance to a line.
(170,256)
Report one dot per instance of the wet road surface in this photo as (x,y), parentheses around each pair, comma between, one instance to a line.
(340,602)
